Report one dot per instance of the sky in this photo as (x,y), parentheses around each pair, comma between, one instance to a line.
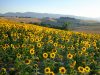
(85,8)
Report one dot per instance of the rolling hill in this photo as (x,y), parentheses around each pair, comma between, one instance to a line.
(42,15)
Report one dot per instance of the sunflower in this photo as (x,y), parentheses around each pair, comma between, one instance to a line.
(87,69)
(6,35)
(94,44)
(54,50)
(49,37)
(12,46)
(77,44)
(81,69)
(12,69)
(6,45)
(39,45)
(35,65)
(68,48)
(69,56)
(55,44)
(32,51)
(52,55)
(72,47)
(63,39)
(86,44)
(39,39)
(80,53)
(47,70)
(51,73)
(86,54)
(4,48)
(32,40)
(27,61)
(83,49)
(18,55)
(73,64)
(62,46)
(45,55)
(67,40)
(50,41)
(62,70)
(3,69)
(42,43)
(23,45)
(36,39)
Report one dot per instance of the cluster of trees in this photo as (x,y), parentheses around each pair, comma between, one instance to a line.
(65,26)
(63,23)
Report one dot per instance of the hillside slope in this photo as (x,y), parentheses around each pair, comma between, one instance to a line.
(27,49)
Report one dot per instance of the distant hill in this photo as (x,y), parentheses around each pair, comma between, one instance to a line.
(41,15)
(32,14)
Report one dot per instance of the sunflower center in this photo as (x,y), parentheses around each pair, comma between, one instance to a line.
(81,69)
(62,70)
(47,70)
(27,61)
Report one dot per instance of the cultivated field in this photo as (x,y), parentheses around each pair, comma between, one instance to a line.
(88,29)
(27,49)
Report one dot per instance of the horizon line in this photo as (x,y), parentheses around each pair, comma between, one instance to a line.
(50,13)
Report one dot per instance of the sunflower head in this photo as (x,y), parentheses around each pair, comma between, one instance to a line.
(51,73)
(3,69)
(39,45)
(37,39)
(18,55)
(87,69)
(45,55)
(50,41)
(11,69)
(80,53)
(72,65)
(67,40)
(62,70)
(47,70)
(86,54)
(35,65)
(55,44)
(62,46)
(27,61)
(54,50)
(52,55)
(94,44)
(83,49)
(69,56)
(32,51)
(81,69)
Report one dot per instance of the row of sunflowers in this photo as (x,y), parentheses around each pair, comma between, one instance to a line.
(27,49)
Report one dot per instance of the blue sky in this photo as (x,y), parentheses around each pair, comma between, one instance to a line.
(86,8)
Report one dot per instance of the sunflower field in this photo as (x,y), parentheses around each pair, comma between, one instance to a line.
(27,49)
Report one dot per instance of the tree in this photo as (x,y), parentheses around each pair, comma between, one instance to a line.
(66,25)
